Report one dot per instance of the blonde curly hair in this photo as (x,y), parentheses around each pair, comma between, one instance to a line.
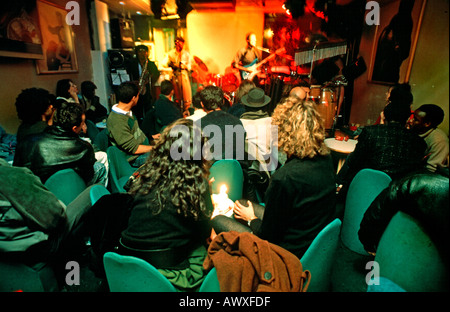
(301,132)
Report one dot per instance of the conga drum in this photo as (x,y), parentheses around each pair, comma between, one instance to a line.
(326,106)
(314,93)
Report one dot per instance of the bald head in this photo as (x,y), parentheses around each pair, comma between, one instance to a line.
(299,92)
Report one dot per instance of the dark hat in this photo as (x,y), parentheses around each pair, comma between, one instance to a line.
(141,47)
(255,98)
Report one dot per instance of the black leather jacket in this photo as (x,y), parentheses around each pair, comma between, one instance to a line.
(423,195)
(56,149)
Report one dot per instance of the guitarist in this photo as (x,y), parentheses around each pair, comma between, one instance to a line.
(247,56)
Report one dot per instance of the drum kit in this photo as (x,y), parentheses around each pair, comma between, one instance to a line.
(276,79)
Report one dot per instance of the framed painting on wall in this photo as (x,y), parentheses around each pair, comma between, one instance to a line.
(395,41)
(20,36)
(58,42)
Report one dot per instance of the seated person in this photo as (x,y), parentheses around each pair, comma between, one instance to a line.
(169,221)
(421,194)
(237,109)
(230,140)
(388,147)
(35,225)
(166,111)
(123,128)
(35,107)
(60,147)
(197,106)
(67,90)
(300,200)
(425,123)
(95,111)
(8,143)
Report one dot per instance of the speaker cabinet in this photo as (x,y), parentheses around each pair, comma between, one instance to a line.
(122,33)
(119,58)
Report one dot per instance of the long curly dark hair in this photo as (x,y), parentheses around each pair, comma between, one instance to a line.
(178,169)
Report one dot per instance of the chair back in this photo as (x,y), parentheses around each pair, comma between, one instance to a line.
(409,258)
(228,172)
(210,283)
(119,169)
(92,130)
(102,140)
(66,184)
(320,256)
(131,274)
(364,188)
(16,276)
(97,191)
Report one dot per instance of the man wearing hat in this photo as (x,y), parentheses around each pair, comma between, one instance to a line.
(148,76)
(261,139)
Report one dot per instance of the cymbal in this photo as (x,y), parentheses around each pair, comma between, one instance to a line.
(200,63)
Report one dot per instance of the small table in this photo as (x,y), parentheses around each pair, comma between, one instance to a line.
(342,148)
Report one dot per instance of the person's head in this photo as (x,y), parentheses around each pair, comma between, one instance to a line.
(33,104)
(178,169)
(300,91)
(251,39)
(212,98)
(301,132)
(179,43)
(167,88)
(255,100)
(70,117)
(400,93)
(65,87)
(128,93)
(397,112)
(88,89)
(427,116)
(243,89)
(141,52)
(197,101)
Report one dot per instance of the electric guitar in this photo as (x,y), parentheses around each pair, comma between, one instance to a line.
(249,71)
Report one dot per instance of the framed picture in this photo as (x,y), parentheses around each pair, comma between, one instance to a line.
(58,44)
(395,41)
(20,35)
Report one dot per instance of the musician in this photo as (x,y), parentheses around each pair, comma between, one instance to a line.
(150,77)
(179,60)
(247,56)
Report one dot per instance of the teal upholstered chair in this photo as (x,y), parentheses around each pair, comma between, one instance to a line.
(320,256)
(211,283)
(120,169)
(102,140)
(66,184)
(15,276)
(92,130)
(228,172)
(409,258)
(131,274)
(97,191)
(364,188)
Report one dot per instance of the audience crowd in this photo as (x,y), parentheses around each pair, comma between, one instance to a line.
(167,215)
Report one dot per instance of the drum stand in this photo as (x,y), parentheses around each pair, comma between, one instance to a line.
(336,116)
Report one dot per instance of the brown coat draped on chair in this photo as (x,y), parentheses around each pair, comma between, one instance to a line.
(246,263)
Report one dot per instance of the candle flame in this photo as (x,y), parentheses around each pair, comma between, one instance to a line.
(223,189)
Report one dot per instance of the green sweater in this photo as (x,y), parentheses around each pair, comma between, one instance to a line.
(124,132)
